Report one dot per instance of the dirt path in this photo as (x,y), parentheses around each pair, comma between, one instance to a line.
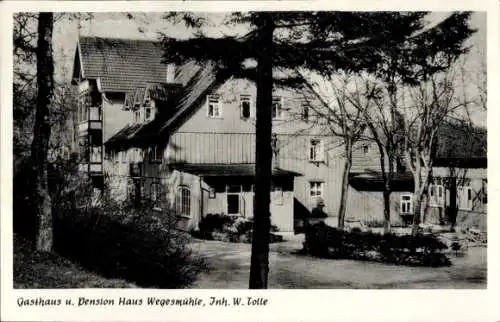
(231,264)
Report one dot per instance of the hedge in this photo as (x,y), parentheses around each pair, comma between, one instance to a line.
(129,244)
(420,250)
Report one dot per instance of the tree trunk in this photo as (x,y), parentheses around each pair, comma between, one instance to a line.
(259,266)
(387,210)
(41,131)
(416,215)
(417,207)
(387,177)
(345,183)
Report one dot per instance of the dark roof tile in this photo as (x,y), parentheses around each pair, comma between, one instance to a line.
(122,64)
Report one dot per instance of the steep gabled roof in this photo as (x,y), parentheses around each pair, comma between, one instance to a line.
(204,79)
(121,64)
(121,137)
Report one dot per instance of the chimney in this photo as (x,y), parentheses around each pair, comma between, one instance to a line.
(170,73)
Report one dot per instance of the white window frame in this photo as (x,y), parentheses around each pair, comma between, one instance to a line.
(137,116)
(305,113)
(246,98)
(214,99)
(95,154)
(464,202)
(275,115)
(151,114)
(155,194)
(277,194)
(316,151)
(406,205)
(436,195)
(366,149)
(316,189)
(183,205)
(157,154)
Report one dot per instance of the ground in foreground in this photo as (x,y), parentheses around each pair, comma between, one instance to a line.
(34,269)
(230,265)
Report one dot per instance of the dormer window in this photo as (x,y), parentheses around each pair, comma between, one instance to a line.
(137,116)
(277,107)
(148,114)
(245,106)
(214,107)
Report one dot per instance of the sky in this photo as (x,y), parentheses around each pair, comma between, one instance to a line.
(146,25)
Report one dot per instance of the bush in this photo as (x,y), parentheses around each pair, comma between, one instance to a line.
(119,241)
(377,223)
(420,250)
(229,229)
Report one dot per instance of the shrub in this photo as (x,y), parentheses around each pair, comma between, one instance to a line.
(230,229)
(120,241)
(423,250)
(214,222)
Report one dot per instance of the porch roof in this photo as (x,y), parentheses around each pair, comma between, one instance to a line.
(228,170)
(375,182)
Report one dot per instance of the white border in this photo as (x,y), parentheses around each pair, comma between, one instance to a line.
(339,305)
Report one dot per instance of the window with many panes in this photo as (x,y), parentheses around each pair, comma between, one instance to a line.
(183,201)
(214,107)
(277,107)
(83,106)
(316,150)
(316,189)
(406,205)
(246,106)
(436,195)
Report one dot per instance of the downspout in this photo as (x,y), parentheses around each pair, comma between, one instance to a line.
(201,203)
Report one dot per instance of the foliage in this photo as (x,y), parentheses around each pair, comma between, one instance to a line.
(229,228)
(419,250)
(121,241)
(375,223)
(33,269)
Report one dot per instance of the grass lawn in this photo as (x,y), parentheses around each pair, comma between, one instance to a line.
(230,265)
(33,269)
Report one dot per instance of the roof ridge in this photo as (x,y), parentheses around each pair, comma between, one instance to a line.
(120,38)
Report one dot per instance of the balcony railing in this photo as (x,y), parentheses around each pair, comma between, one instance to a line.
(136,169)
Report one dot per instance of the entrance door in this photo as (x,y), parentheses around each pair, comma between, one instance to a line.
(233,203)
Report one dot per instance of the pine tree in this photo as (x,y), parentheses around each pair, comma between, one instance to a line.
(286,41)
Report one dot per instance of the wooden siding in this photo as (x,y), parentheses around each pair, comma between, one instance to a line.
(211,148)
(114,117)
(363,160)
(231,121)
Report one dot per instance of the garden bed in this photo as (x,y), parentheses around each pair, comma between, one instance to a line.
(420,250)
(232,229)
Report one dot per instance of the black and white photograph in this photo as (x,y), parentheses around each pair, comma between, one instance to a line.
(235,150)
(250,150)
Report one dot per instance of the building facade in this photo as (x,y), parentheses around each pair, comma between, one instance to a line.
(185,136)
